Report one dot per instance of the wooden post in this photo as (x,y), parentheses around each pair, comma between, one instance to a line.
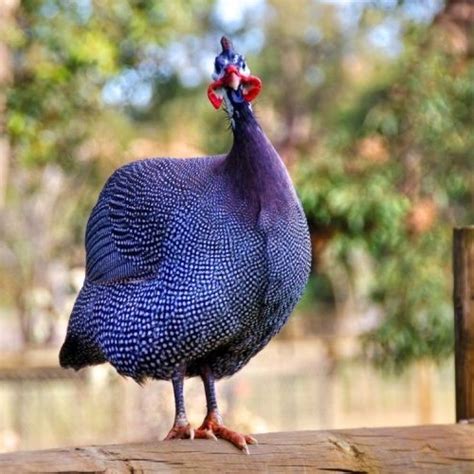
(463,297)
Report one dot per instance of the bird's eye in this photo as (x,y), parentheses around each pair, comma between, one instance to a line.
(244,66)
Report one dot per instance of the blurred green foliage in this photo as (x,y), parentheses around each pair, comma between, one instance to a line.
(378,138)
(395,176)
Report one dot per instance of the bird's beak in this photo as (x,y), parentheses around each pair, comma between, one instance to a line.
(232,77)
(251,85)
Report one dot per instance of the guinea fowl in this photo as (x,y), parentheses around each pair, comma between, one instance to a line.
(193,265)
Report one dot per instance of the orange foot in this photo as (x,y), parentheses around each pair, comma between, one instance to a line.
(213,428)
(180,431)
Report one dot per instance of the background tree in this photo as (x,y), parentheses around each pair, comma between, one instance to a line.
(64,141)
(395,176)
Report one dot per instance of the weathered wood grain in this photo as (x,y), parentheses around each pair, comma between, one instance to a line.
(430,449)
(463,298)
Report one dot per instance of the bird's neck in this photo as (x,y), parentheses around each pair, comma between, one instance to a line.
(254,165)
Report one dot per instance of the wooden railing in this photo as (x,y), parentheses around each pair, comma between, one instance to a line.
(431,449)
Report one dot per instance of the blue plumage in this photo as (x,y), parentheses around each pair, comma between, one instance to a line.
(192,264)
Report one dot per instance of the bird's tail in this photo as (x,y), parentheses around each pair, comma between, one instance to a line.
(79,348)
(75,353)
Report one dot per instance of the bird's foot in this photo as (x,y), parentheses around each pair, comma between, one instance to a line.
(213,428)
(181,430)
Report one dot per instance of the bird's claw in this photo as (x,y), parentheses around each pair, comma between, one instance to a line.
(181,432)
(250,439)
(205,434)
(212,428)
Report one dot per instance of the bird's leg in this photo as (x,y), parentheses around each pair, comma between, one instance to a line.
(181,428)
(212,427)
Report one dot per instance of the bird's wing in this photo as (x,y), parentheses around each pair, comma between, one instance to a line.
(124,236)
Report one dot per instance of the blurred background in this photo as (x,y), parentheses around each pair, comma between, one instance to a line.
(371,105)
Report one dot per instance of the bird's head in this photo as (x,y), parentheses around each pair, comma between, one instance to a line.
(233,82)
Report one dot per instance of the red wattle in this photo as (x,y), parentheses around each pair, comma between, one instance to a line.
(215,100)
(253,86)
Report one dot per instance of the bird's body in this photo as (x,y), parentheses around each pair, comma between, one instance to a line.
(191,260)
(192,264)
